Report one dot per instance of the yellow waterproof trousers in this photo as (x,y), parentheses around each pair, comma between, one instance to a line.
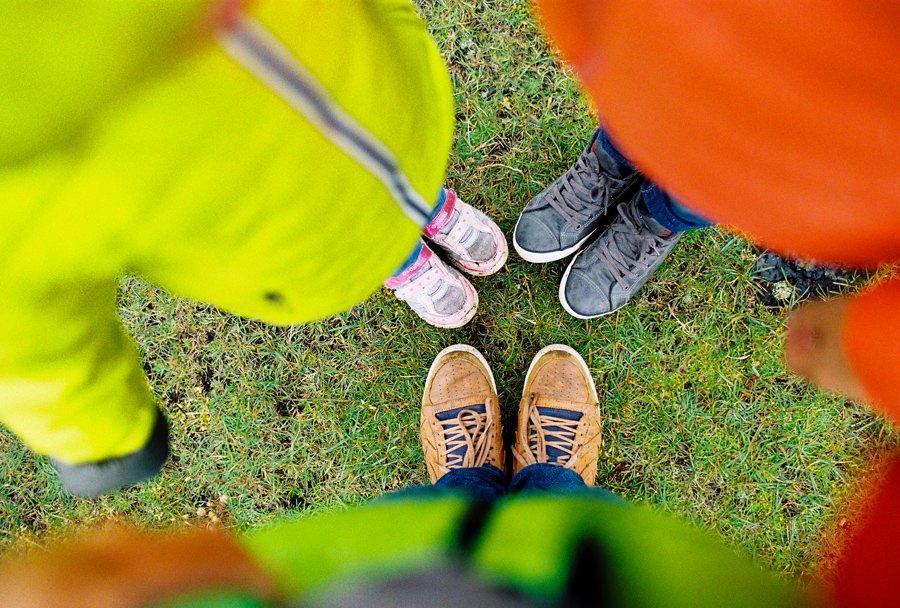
(276,161)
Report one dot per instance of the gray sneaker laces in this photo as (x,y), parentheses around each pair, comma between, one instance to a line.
(588,198)
(628,248)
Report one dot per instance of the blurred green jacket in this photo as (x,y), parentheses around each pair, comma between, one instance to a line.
(537,550)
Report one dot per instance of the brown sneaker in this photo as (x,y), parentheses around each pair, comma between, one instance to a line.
(460,413)
(559,422)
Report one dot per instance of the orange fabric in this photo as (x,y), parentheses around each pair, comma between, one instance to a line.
(867,575)
(779,118)
(872,341)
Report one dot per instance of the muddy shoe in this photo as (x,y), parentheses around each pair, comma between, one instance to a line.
(782,282)
(559,220)
(610,271)
(460,422)
(435,291)
(559,422)
(471,240)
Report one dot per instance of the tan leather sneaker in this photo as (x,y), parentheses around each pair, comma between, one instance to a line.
(559,422)
(460,413)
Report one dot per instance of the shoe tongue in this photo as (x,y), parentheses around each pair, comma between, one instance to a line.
(447,415)
(451,414)
(447,227)
(651,223)
(625,242)
(631,245)
(554,453)
(655,227)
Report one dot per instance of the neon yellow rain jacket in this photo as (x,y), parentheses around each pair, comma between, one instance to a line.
(276,160)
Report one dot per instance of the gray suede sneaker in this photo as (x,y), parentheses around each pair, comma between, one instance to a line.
(559,220)
(610,271)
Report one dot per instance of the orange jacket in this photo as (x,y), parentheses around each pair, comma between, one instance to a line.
(781,119)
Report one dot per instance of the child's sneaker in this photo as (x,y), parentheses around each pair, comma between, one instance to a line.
(471,240)
(435,291)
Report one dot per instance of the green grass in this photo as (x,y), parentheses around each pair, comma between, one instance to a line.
(702,420)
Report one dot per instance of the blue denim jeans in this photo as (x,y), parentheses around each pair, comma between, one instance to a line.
(664,209)
(488,483)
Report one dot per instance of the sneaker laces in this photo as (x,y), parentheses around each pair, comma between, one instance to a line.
(466,437)
(547,431)
(626,252)
(589,193)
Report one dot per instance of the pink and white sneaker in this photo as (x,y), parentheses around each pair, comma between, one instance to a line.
(472,241)
(435,291)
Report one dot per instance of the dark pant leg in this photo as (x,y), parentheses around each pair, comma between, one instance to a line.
(555,479)
(666,210)
(671,214)
(487,484)
(417,248)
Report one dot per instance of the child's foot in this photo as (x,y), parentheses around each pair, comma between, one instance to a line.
(471,240)
(435,291)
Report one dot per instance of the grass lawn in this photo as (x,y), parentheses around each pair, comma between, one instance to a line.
(701,418)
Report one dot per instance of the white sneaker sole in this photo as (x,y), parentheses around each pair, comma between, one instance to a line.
(565,305)
(551,256)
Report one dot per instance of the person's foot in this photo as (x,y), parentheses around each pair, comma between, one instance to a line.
(559,422)
(610,271)
(472,241)
(559,220)
(460,422)
(784,283)
(435,291)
